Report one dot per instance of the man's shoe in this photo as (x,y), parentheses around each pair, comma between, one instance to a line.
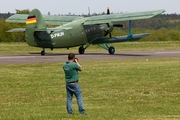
(83,113)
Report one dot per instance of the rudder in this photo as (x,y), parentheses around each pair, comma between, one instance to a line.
(35,22)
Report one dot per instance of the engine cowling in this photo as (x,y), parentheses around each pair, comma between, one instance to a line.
(106,28)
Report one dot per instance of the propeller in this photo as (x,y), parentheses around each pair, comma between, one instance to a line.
(114,24)
(108,12)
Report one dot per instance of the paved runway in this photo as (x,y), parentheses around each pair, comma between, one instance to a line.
(37,58)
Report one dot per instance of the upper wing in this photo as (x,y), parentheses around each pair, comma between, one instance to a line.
(58,20)
(49,19)
(121,17)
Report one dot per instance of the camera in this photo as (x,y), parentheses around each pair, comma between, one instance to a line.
(76,59)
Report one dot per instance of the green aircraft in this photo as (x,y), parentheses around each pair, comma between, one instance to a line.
(72,31)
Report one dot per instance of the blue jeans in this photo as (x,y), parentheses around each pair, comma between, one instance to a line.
(74,88)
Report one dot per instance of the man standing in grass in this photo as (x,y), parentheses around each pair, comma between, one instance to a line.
(71,68)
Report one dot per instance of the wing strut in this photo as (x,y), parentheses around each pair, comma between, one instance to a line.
(82,48)
(111,49)
(130,34)
(105,46)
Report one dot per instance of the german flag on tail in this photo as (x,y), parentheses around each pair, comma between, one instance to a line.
(31,19)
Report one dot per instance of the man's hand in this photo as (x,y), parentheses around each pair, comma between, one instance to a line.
(76,60)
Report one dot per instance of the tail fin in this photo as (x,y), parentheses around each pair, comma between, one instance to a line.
(35,23)
(35,20)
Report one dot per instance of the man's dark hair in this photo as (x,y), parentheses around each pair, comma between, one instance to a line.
(71,56)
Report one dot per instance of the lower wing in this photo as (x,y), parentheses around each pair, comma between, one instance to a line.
(115,39)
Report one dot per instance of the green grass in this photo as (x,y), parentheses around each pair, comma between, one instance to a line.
(121,89)
(124,89)
(23,48)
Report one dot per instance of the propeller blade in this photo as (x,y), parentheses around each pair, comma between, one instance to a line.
(108,11)
(110,35)
(118,25)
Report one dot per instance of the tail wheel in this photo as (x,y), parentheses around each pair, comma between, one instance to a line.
(111,50)
(81,50)
(43,52)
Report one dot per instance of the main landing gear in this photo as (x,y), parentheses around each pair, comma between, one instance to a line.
(82,48)
(110,49)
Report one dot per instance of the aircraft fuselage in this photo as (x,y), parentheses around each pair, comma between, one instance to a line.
(79,34)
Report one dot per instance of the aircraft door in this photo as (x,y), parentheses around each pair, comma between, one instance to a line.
(43,38)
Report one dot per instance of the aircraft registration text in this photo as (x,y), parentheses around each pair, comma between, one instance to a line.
(55,35)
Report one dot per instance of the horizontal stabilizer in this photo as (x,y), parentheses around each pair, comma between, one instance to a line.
(17,30)
(17,18)
(48,29)
(59,28)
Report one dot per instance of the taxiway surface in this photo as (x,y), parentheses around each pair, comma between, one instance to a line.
(91,56)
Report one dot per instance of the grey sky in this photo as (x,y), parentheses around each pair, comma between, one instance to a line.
(81,6)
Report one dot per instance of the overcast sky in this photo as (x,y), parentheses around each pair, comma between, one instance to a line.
(80,7)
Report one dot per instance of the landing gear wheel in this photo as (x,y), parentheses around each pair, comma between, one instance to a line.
(81,50)
(111,50)
(43,52)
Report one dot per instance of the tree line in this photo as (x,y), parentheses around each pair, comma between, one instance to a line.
(161,27)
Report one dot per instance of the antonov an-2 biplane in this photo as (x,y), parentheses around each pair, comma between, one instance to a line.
(75,31)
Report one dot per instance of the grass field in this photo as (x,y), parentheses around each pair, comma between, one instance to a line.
(115,89)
